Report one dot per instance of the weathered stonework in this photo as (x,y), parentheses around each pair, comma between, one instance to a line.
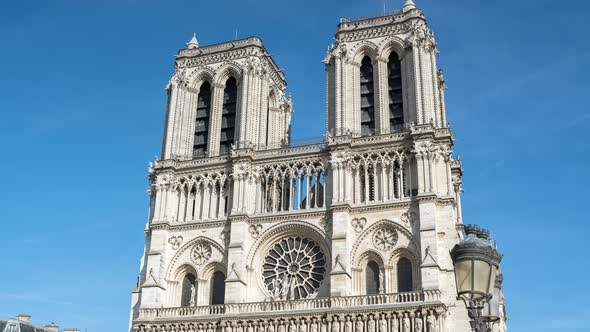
(296,230)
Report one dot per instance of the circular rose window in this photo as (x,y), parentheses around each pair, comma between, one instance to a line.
(294,268)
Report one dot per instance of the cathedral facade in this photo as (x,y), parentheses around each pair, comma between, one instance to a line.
(248,233)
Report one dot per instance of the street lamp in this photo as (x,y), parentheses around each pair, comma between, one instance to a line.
(476,264)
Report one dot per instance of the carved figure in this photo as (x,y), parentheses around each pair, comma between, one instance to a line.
(359,325)
(371,326)
(431,323)
(335,326)
(292,327)
(383,325)
(348,326)
(193,295)
(419,325)
(406,324)
(314,327)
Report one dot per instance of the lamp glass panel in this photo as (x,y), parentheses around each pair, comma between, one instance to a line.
(481,275)
(463,274)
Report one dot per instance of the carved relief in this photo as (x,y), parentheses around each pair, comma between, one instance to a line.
(409,218)
(201,253)
(255,230)
(359,224)
(385,238)
(175,241)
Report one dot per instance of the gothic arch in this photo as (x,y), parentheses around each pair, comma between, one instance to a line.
(362,49)
(283,229)
(366,256)
(182,270)
(410,255)
(356,251)
(391,44)
(200,76)
(182,257)
(226,71)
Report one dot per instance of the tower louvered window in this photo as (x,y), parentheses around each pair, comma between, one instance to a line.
(396,104)
(367,98)
(228,117)
(202,121)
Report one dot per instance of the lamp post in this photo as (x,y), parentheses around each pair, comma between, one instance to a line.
(476,264)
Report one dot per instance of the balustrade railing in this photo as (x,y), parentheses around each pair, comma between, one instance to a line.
(294,305)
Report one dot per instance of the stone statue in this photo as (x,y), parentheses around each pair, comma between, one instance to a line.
(371,325)
(193,295)
(323,326)
(292,327)
(228,327)
(359,325)
(303,327)
(394,326)
(314,327)
(348,326)
(292,289)
(271,327)
(250,328)
(335,326)
(276,288)
(285,287)
(406,324)
(281,327)
(209,328)
(419,324)
(383,325)
(431,323)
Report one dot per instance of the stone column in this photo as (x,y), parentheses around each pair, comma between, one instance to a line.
(381,95)
(215,119)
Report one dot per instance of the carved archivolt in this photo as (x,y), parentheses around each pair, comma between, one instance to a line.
(208,251)
(379,230)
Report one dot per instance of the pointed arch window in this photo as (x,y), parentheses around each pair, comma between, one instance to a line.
(404,275)
(396,104)
(202,121)
(189,291)
(218,288)
(228,115)
(367,98)
(372,278)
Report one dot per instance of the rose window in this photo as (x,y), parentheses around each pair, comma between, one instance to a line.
(201,253)
(294,268)
(385,238)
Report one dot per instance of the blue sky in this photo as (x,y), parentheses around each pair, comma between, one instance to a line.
(82,107)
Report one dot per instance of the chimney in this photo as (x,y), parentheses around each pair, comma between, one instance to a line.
(52,327)
(24,318)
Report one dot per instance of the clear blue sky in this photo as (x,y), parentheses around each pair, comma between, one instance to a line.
(82,107)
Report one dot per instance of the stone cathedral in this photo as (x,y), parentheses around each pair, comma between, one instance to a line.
(248,233)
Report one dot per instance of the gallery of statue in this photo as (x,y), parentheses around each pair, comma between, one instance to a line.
(248,233)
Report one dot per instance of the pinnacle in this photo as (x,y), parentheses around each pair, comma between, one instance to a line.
(409,5)
(193,43)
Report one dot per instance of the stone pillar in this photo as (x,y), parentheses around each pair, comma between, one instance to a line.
(340,276)
(381,95)
(215,119)
(429,269)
